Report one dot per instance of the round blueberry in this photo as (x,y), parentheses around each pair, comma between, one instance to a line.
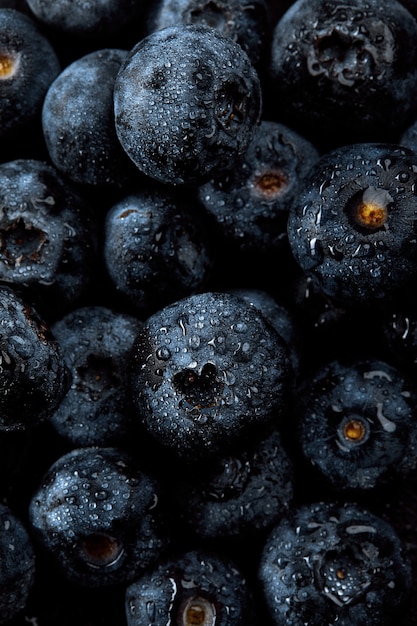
(187,99)
(208,371)
(334,563)
(352,227)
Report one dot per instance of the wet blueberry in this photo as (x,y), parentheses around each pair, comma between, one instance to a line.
(187,99)
(344,73)
(78,121)
(236,497)
(28,65)
(47,238)
(157,247)
(17,564)
(244,21)
(207,372)
(334,563)
(194,588)
(250,203)
(33,374)
(97,516)
(352,227)
(356,423)
(95,343)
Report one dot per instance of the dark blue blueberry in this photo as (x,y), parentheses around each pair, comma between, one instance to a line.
(95,342)
(244,21)
(17,565)
(250,202)
(344,73)
(89,19)
(157,247)
(207,373)
(193,587)
(33,375)
(356,423)
(78,121)
(98,517)
(48,242)
(236,497)
(353,226)
(280,316)
(28,65)
(187,99)
(334,563)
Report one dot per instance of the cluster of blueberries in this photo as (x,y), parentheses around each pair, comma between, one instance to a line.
(208,328)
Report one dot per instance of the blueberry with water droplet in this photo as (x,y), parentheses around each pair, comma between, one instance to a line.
(99,517)
(33,375)
(356,423)
(352,228)
(157,247)
(334,563)
(95,342)
(189,588)
(250,203)
(227,378)
(187,99)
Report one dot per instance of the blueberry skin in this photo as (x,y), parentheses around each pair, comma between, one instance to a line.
(244,21)
(28,65)
(197,586)
(89,19)
(157,247)
(48,242)
(356,423)
(17,564)
(236,497)
(95,342)
(33,375)
(186,99)
(97,516)
(207,373)
(334,563)
(250,203)
(352,227)
(78,121)
(344,73)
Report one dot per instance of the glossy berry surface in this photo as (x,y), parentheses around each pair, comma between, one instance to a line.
(334,564)
(352,226)
(356,422)
(206,372)
(218,592)
(96,515)
(186,100)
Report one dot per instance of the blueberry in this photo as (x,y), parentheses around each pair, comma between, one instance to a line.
(207,372)
(356,422)
(28,65)
(88,19)
(95,343)
(97,516)
(193,587)
(17,564)
(186,101)
(244,21)
(250,203)
(78,121)
(334,563)
(352,227)
(33,375)
(157,247)
(48,243)
(236,497)
(344,73)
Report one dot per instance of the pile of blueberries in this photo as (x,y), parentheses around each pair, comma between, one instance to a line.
(208,322)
